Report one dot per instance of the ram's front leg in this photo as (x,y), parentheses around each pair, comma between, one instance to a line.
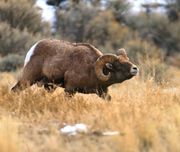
(69,93)
(69,84)
(48,86)
(103,93)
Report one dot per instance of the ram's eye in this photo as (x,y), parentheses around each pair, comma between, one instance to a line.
(117,65)
(109,66)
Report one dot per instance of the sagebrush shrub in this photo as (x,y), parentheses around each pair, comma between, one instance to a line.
(11,62)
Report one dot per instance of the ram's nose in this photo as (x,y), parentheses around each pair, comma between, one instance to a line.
(134,70)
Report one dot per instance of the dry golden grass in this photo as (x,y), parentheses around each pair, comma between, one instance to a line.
(146,115)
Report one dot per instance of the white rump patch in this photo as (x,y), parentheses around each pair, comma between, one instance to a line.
(29,54)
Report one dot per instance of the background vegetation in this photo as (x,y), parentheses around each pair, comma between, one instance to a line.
(145,110)
(147,36)
(20,27)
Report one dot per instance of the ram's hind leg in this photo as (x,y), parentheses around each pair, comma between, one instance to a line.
(16,87)
(103,93)
(50,85)
(32,72)
(70,90)
(19,86)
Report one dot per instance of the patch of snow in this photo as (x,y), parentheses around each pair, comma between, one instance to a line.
(110,133)
(48,12)
(74,129)
(136,5)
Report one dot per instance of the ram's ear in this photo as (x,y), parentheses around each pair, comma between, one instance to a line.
(121,51)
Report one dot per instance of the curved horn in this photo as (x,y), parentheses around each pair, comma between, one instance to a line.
(100,63)
(121,51)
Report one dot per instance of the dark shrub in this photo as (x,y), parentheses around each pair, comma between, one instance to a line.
(11,62)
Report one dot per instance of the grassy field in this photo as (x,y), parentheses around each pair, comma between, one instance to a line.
(146,115)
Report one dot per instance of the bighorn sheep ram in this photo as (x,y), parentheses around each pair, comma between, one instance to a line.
(77,67)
